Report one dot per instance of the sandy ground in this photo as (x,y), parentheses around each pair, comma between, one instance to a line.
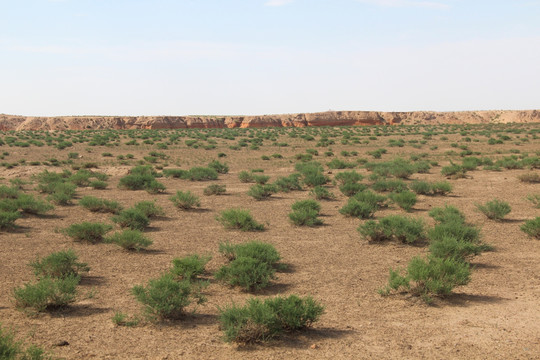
(496,316)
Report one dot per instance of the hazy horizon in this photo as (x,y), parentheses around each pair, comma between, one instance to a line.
(257,57)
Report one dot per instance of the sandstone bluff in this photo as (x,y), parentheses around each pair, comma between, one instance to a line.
(329,118)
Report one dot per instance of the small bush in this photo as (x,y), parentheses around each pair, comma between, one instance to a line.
(239,219)
(174,173)
(87,231)
(535,200)
(351,189)
(215,189)
(348,177)
(185,200)
(245,177)
(263,320)
(130,240)
(60,264)
(201,174)
(447,214)
(405,200)
(261,251)
(262,192)
(289,183)
(189,267)
(132,218)
(98,184)
(450,247)
(305,217)
(454,229)
(359,209)
(495,209)
(164,297)
(95,204)
(261,179)
(321,193)
(406,230)
(47,293)
(306,205)
(421,187)
(62,193)
(432,277)
(441,188)
(453,171)
(121,319)
(7,219)
(247,272)
(390,185)
(532,227)
(9,348)
(221,168)
(149,208)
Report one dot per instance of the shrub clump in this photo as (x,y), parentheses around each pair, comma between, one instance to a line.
(262,192)
(321,193)
(95,204)
(239,219)
(132,218)
(532,227)
(215,189)
(189,267)
(432,277)
(165,298)
(87,231)
(130,240)
(259,320)
(47,293)
(401,228)
(405,200)
(495,209)
(185,200)
(59,264)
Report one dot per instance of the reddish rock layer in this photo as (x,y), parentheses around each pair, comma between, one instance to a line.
(330,118)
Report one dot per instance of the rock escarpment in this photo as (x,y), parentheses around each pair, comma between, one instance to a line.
(329,118)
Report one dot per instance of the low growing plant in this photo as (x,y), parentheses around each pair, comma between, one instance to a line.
(130,240)
(239,219)
(185,200)
(495,209)
(87,231)
(59,264)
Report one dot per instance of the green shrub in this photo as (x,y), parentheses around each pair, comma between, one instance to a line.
(340,164)
(348,177)
(306,205)
(149,208)
(132,218)
(263,320)
(59,264)
(7,219)
(261,179)
(535,200)
(245,177)
(201,174)
(288,183)
(221,168)
(87,231)
(260,251)
(305,217)
(404,229)
(189,267)
(371,198)
(98,184)
(454,229)
(141,178)
(390,185)
(405,200)
(47,293)
(450,247)
(130,240)
(454,171)
(321,193)
(359,209)
(447,214)
(121,319)
(7,192)
(432,277)
(421,187)
(247,272)
(185,200)
(351,189)
(174,173)
(215,189)
(62,193)
(262,192)
(9,348)
(532,227)
(239,219)
(164,297)
(495,209)
(95,204)
(441,188)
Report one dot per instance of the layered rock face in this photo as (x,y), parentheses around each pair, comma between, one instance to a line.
(329,118)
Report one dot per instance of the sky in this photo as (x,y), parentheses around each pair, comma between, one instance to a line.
(255,57)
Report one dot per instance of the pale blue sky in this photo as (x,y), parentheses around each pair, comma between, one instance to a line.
(164,57)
